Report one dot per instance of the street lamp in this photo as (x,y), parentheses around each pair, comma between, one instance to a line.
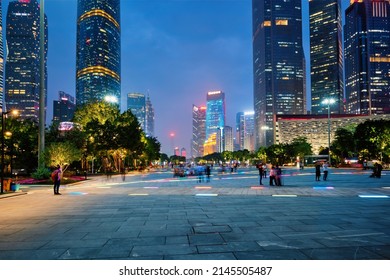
(3,114)
(328,101)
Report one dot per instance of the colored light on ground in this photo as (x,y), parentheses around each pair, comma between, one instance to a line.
(257,188)
(77,193)
(138,194)
(373,196)
(284,195)
(323,188)
(104,187)
(203,187)
(206,194)
(150,187)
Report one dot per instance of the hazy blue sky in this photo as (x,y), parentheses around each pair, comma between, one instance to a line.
(174,50)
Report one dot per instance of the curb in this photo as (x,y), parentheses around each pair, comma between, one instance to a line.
(8,195)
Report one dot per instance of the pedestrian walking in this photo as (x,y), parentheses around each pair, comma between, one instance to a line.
(56,177)
(318,171)
(261,172)
(325,167)
(208,172)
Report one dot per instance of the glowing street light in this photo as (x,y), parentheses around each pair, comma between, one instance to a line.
(328,102)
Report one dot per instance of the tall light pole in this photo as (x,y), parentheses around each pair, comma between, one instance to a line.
(3,114)
(328,102)
(42,95)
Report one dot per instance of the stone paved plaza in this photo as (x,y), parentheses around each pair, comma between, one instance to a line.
(155,216)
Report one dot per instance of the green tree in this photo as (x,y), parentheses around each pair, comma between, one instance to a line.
(300,147)
(62,154)
(344,144)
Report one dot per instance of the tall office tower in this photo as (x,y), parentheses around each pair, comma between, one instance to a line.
(98,60)
(249,131)
(22,69)
(326,55)
(215,112)
(239,143)
(64,108)
(228,139)
(198,130)
(1,59)
(367,57)
(136,103)
(277,64)
(149,117)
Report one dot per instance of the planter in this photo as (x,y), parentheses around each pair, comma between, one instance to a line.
(15,187)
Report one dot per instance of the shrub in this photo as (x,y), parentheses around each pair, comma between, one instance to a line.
(41,173)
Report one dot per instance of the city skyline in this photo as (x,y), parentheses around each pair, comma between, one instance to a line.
(176,64)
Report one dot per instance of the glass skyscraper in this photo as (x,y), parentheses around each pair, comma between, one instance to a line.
(98,66)
(136,103)
(326,55)
(215,112)
(277,64)
(22,71)
(198,130)
(149,117)
(367,57)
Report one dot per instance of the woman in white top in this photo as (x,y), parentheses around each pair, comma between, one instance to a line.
(325,169)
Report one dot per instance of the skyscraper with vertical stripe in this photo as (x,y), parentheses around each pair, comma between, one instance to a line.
(367,57)
(326,55)
(98,53)
(277,64)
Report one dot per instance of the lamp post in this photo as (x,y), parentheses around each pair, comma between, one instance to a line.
(328,102)
(3,114)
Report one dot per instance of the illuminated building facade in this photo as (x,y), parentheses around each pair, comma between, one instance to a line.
(239,139)
(228,139)
(249,131)
(367,57)
(315,127)
(64,108)
(98,66)
(277,64)
(22,70)
(326,55)
(149,118)
(215,112)
(198,130)
(137,104)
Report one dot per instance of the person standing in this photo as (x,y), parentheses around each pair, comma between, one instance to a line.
(265,170)
(261,172)
(56,177)
(325,167)
(278,175)
(272,176)
(208,172)
(318,171)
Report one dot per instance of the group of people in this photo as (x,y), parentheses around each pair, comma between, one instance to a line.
(325,168)
(275,174)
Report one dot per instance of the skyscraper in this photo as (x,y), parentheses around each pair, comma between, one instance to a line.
(239,144)
(215,112)
(277,64)
(367,57)
(136,103)
(98,66)
(22,71)
(249,131)
(326,55)
(149,117)
(1,58)
(198,130)
(64,108)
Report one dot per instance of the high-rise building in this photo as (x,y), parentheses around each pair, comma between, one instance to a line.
(239,143)
(277,64)
(22,71)
(137,104)
(228,139)
(215,112)
(198,130)
(1,59)
(98,60)
(149,117)
(249,131)
(367,57)
(64,108)
(326,55)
